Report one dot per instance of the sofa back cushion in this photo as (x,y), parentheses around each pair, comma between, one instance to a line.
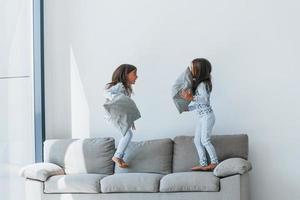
(152,156)
(226,146)
(91,155)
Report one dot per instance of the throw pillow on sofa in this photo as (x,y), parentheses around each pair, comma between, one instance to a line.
(152,156)
(91,155)
(232,166)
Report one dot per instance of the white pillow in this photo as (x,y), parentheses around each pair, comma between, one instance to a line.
(232,166)
(41,171)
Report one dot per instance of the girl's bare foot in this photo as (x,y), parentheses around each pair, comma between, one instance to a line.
(199,168)
(119,162)
(211,166)
(124,164)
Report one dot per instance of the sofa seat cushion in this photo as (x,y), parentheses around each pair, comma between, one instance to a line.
(74,183)
(131,182)
(190,182)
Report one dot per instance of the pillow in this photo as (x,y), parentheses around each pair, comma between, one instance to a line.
(184,81)
(122,112)
(232,166)
(77,156)
(185,153)
(40,171)
(152,156)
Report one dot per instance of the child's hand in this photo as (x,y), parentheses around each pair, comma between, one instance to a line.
(187,95)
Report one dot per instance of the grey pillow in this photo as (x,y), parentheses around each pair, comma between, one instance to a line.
(184,81)
(75,156)
(185,153)
(122,112)
(152,156)
(232,166)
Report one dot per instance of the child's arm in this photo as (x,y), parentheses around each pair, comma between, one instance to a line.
(187,95)
(201,97)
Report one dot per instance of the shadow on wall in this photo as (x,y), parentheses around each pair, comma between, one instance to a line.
(55,151)
(80,112)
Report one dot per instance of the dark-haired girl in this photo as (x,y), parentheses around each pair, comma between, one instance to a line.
(200,97)
(122,79)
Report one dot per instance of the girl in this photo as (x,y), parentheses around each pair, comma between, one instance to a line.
(200,97)
(122,79)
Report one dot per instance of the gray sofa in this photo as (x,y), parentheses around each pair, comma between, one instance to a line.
(81,169)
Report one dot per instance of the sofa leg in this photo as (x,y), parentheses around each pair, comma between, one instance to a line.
(34,189)
(235,187)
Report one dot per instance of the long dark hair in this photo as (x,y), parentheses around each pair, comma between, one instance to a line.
(120,75)
(201,69)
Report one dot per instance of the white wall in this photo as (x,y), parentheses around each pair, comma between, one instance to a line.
(253,46)
(16,95)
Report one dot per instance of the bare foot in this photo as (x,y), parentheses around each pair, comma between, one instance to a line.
(119,162)
(211,166)
(199,168)
(124,164)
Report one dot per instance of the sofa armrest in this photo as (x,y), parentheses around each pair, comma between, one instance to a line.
(41,171)
(235,187)
(232,166)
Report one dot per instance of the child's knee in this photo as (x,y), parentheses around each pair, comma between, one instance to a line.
(205,141)
(197,139)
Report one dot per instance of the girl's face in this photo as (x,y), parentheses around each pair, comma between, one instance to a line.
(131,77)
